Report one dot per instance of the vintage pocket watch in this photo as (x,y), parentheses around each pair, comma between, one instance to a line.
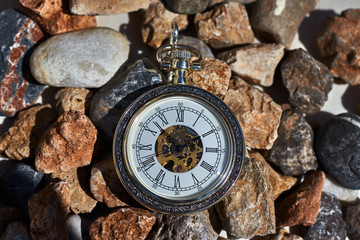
(177,148)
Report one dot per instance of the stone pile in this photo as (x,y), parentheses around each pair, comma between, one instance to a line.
(57,177)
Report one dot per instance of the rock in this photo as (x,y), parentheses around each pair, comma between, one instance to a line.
(307,80)
(339,46)
(187,6)
(85,58)
(157,24)
(19,184)
(21,139)
(253,107)
(225,25)
(248,209)
(341,193)
(107,7)
(214,76)
(123,223)
(67,144)
(282,234)
(177,227)
(48,209)
(338,146)
(15,231)
(6,164)
(18,36)
(293,150)
(80,201)
(353,221)
(106,186)
(255,63)
(8,215)
(194,42)
(279,183)
(214,2)
(302,206)
(279,20)
(329,222)
(54,17)
(77,99)
(111,100)
(73,225)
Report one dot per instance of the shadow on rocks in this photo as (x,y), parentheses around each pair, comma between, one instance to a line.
(351,99)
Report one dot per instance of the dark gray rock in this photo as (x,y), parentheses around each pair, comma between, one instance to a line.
(353,222)
(329,222)
(187,6)
(19,184)
(112,100)
(18,36)
(278,21)
(307,80)
(338,149)
(293,149)
(15,231)
(176,227)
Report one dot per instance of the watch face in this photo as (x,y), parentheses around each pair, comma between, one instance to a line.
(178,149)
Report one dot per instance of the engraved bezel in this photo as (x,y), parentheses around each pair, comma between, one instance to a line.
(157,203)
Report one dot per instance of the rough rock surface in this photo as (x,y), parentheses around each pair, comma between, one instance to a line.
(54,17)
(15,231)
(253,107)
(123,223)
(293,150)
(248,209)
(106,7)
(157,24)
(77,99)
(196,226)
(339,46)
(307,80)
(19,184)
(279,182)
(187,6)
(85,58)
(255,63)
(8,215)
(214,76)
(338,149)
(105,184)
(302,206)
(353,221)
(279,20)
(47,211)
(111,100)
(225,25)
(80,201)
(67,144)
(18,35)
(329,222)
(21,139)
(282,234)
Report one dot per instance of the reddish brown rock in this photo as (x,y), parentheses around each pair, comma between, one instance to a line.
(77,99)
(254,63)
(280,183)
(8,215)
(21,139)
(67,144)
(248,209)
(225,25)
(157,24)
(340,47)
(80,201)
(123,223)
(214,76)
(282,234)
(53,16)
(106,186)
(302,206)
(47,211)
(258,115)
(106,7)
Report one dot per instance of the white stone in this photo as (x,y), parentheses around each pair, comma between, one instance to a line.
(85,58)
(343,194)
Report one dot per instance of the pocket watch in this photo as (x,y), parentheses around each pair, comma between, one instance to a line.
(177,148)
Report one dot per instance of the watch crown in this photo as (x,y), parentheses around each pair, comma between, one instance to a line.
(182,54)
